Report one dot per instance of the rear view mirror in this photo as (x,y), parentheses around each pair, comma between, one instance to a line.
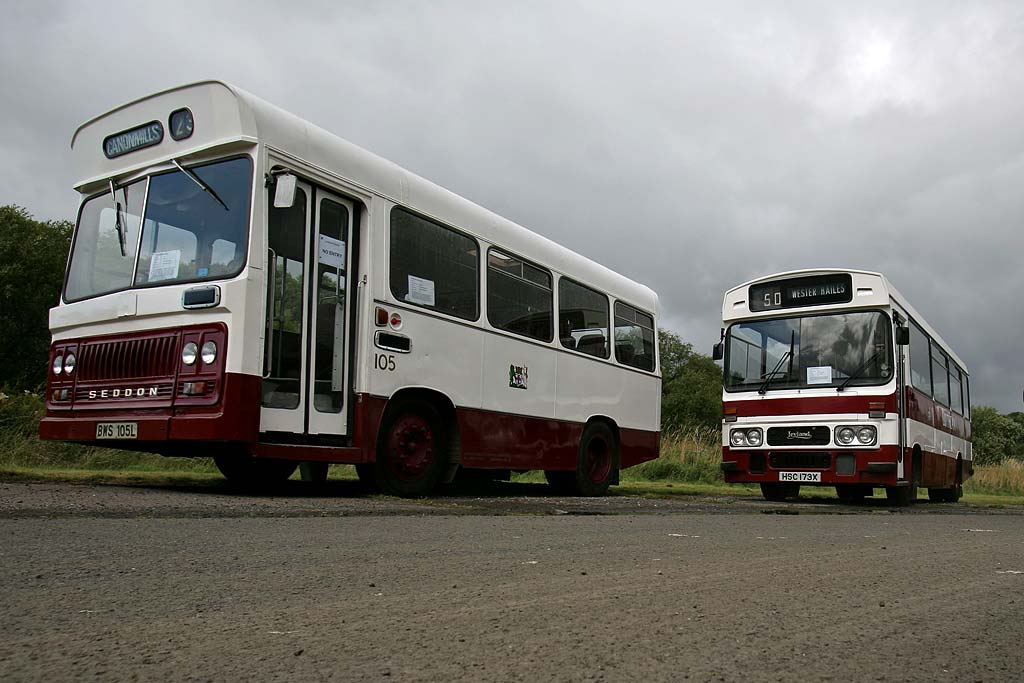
(902,336)
(284,191)
(717,352)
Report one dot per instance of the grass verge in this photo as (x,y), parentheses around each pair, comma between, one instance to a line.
(688,466)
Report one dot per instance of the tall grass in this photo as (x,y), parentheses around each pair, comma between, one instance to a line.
(689,454)
(1006,477)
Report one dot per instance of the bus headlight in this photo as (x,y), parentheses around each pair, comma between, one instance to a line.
(754,436)
(189,353)
(209,352)
(867,435)
(69,363)
(738,437)
(58,364)
(845,435)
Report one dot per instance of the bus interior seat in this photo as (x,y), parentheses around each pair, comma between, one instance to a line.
(592,344)
(624,352)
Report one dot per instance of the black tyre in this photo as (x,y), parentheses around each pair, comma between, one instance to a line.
(561,481)
(948,495)
(852,493)
(367,479)
(244,470)
(776,491)
(412,449)
(314,472)
(597,463)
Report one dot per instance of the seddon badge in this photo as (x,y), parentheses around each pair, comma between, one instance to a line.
(128,392)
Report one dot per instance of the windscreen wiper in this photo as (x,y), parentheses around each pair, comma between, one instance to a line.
(118,223)
(763,389)
(199,181)
(856,373)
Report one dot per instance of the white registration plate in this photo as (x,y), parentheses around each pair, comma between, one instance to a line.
(117,430)
(801,477)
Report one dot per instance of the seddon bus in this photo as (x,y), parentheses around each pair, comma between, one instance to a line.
(245,285)
(832,379)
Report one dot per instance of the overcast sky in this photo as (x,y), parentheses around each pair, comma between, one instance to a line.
(689,146)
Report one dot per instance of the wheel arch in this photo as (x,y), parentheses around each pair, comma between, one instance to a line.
(612,424)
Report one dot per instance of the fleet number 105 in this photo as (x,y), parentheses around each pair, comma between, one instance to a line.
(384,361)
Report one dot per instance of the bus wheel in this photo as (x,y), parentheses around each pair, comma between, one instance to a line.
(367,478)
(779,491)
(596,460)
(410,450)
(245,470)
(851,493)
(901,496)
(950,495)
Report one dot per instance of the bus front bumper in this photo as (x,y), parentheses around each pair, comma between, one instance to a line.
(877,466)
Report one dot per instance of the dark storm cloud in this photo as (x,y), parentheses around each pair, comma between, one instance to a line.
(689,148)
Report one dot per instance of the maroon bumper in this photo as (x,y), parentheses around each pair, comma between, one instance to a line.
(235,417)
(877,466)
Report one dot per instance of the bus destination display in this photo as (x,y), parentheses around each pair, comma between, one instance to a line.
(805,291)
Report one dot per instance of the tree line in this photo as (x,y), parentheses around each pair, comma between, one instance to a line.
(32,259)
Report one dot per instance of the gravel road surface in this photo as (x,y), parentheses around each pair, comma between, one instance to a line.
(130,583)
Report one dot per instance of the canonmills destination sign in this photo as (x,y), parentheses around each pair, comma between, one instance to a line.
(815,290)
(146,135)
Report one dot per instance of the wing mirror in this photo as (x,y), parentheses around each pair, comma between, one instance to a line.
(902,335)
(717,353)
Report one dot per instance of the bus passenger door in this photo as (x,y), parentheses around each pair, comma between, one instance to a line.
(305,366)
(283,407)
(330,313)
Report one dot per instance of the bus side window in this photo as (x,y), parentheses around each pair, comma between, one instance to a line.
(956,389)
(583,313)
(920,376)
(519,296)
(940,376)
(433,266)
(634,337)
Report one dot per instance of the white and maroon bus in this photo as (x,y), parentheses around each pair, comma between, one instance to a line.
(245,285)
(832,379)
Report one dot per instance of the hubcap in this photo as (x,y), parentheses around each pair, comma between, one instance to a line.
(410,448)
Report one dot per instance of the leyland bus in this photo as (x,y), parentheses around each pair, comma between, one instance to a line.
(245,285)
(831,378)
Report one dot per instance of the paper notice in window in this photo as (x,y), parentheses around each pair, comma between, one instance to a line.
(819,375)
(164,265)
(332,252)
(421,291)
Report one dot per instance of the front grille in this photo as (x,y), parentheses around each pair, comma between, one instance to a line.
(799,436)
(128,358)
(800,460)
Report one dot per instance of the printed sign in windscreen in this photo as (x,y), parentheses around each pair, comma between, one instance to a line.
(815,290)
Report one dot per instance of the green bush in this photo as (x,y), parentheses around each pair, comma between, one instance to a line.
(32,259)
(691,386)
(996,437)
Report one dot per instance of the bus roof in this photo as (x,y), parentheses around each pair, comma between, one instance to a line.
(734,304)
(225,114)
